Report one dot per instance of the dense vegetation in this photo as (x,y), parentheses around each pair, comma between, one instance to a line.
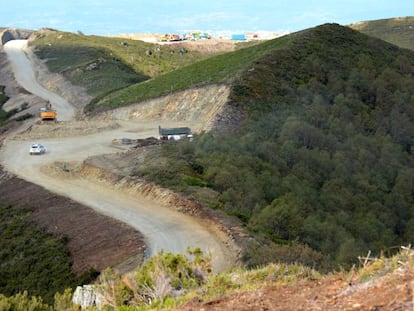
(326,155)
(398,31)
(31,259)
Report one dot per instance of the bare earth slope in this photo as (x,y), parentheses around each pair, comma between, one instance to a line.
(74,141)
(390,292)
(94,240)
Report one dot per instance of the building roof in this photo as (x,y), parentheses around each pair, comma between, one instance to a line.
(174,131)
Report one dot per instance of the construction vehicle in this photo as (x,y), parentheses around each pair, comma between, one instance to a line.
(169,37)
(47,113)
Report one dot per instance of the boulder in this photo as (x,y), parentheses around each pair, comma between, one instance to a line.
(87,296)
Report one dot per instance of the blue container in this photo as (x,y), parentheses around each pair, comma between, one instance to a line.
(238,37)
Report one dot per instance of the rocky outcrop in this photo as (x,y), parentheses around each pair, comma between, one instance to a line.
(86,296)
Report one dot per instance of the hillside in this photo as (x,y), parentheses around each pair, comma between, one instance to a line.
(321,107)
(318,165)
(52,216)
(220,69)
(398,31)
(93,61)
(378,285)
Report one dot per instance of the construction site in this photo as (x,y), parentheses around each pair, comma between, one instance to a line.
(203,36)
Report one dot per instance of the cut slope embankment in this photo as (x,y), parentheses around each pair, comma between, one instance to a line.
(204,108)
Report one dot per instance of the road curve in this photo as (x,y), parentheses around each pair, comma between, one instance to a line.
(163,228)
(24,72)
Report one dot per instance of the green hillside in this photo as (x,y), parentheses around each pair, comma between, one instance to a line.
(218,69)
(325,158)
(323,165)
(326,154)
(398,31)
(103,64)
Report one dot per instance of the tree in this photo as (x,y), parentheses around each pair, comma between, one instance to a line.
(282,219)
(401,128)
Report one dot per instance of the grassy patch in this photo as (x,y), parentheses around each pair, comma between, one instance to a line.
(103,64)
(93,67)
(398,31)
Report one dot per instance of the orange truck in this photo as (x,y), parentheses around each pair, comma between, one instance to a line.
(47,114)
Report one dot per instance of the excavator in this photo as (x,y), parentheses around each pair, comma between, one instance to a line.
(47,113)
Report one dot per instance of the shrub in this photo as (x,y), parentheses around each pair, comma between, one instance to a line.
(24,117)
(167,274)
(22,302)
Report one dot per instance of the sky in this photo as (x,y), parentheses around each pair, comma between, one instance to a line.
(112,17)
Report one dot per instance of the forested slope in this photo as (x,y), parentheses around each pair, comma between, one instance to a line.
(325,157)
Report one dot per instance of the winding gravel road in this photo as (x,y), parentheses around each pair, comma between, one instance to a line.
(162,228)
(21,59)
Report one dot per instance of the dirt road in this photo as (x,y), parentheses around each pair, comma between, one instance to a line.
(162,227)
(20,57)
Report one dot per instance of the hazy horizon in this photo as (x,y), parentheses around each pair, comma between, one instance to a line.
(103,17)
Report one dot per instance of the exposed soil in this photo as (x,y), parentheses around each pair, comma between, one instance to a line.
(394,291)
(208,46)
(95,241)
(205,46)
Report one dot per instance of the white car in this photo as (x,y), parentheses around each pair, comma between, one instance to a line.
(37,149)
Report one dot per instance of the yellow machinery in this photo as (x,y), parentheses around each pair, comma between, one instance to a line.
(47,113)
